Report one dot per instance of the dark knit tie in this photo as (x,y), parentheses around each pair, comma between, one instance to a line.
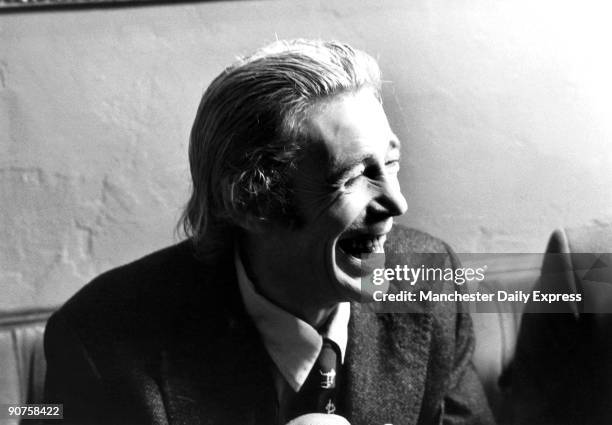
(319,393)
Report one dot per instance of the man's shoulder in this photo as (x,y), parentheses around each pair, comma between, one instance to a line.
(139,298)
(416,249)
(155,272)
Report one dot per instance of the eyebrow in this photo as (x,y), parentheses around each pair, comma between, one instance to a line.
(352,162)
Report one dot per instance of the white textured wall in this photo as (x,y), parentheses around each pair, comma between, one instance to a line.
(504,108)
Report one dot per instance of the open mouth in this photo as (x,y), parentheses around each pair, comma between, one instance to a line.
(360,246)
(359,254)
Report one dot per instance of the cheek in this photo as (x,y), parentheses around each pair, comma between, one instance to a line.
(350,206)
(329,214)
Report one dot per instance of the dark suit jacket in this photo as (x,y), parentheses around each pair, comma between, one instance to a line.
(166,340)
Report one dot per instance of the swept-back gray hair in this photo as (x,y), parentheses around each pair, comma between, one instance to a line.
(249,130)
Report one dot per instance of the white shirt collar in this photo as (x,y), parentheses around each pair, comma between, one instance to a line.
(293,344)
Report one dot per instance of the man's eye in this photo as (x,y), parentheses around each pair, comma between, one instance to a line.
(352,180)
(355,175)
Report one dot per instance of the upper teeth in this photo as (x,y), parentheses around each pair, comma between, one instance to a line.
(372,244)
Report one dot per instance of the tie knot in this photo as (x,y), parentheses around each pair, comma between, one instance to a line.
(330,346)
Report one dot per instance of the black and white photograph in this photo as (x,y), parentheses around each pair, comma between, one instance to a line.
(282,212)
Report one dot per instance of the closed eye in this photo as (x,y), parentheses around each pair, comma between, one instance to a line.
(371,171)
(355,175)
(374,172)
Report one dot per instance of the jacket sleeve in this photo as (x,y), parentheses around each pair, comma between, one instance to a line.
(72,378)
(465,402)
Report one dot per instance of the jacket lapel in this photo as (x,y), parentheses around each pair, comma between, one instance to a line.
(215,370)
(386,366)
(230,388)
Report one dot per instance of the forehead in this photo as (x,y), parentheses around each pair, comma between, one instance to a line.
(348,126)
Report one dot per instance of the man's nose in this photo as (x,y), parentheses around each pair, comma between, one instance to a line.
(390,200)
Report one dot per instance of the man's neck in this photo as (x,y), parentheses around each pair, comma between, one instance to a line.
(281,293)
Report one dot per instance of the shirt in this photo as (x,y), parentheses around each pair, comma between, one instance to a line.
(292,344)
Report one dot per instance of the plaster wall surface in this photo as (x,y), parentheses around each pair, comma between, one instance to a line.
(503,109)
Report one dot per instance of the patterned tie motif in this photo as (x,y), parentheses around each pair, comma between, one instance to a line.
(320,391)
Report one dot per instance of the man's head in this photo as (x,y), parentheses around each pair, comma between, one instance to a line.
(249,131)
(292,150)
